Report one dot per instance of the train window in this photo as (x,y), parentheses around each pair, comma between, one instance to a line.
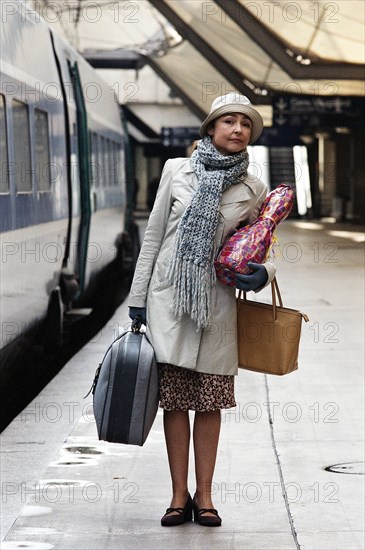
(116,164)
(91,153)
(110,162)
(104,153)
(95,165)
(42,164)
(4,176)
(119,164)
(101,161)
(23,175)
(105,162)
(107,145)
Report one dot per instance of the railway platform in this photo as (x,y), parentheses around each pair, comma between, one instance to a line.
(290,464)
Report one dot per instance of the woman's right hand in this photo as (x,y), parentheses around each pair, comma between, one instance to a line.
(256,280)
(138,311)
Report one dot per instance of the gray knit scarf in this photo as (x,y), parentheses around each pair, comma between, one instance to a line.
(191,269)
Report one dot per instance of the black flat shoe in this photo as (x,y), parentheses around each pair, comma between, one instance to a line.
(202,519)
(183,514)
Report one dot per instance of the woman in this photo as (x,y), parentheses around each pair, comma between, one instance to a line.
(189,315)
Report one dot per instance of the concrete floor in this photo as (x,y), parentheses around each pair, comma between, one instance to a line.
(64,489)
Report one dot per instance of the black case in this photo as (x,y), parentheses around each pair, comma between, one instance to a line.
(125,389)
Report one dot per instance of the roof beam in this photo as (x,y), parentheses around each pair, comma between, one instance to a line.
(275,48)
(133,60)
(139,123)
(220,63)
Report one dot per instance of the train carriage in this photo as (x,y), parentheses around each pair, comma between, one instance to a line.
(63,185)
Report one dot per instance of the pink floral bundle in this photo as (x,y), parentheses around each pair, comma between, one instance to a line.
(252,242)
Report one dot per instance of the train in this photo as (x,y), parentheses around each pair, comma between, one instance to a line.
(65,189)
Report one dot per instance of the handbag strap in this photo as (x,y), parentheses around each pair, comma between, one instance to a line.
(275,295)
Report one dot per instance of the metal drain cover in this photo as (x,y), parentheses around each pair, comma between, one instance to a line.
(354,468)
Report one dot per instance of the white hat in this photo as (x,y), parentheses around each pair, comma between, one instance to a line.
(234,103)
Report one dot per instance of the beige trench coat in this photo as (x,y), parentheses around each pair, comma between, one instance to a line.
(211,350)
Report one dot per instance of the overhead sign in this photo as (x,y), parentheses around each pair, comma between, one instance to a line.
(315,111)
(280,136)
(179,136)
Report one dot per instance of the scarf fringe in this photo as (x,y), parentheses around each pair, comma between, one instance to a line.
(192,291)
(191,268)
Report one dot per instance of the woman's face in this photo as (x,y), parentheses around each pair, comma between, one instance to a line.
(231,133)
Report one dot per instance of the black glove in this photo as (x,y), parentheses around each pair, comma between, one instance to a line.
(141,311)
(252,281)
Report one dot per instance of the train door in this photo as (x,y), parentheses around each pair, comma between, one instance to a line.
(84,166)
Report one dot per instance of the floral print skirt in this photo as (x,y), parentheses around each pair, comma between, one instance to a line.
(184,389)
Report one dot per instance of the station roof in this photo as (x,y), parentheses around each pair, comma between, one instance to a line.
(183,53)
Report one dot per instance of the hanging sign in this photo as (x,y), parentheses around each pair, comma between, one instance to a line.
(314,111)
(179,136)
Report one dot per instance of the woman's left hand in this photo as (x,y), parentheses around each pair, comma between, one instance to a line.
(252,281)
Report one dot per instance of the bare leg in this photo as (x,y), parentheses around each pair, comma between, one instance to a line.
(206,436)
(177,435)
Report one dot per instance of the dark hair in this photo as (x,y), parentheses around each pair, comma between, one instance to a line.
(212,122)
(211,125)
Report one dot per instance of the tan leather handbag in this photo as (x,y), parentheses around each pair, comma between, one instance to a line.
(268,335)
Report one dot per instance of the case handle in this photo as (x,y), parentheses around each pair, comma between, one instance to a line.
(136,324)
